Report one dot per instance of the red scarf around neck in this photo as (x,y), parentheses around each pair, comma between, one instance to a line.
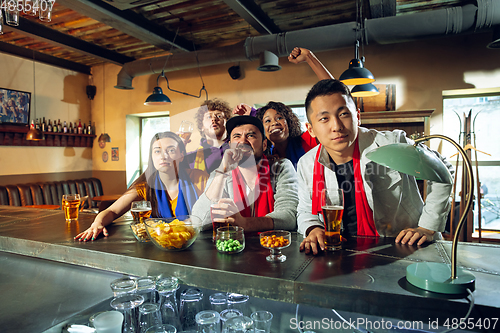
(264,203)
(364,214)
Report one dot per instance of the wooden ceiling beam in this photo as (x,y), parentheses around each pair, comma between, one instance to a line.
(130,23)
(54,37)
(44,58)
(254,15)
(382,8)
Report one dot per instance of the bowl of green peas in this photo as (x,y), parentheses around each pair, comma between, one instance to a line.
(230,239)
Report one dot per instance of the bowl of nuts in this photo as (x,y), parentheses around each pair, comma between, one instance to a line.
(275,241)
(172,234)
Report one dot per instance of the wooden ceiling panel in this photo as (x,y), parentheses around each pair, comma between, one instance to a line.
(205,23)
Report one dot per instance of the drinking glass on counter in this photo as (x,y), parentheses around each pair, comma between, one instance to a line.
(71,206)
(238,302)
(332,206)
(262,321)
(146,287)
(229,313)
(141,210)
(122,286)
(191,304)
(208,321)
(167,288)
(240,324)
(218,301)
(109,322)
(128,304)
(165,328)
(149,316)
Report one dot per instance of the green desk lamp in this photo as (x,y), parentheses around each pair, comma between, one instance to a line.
(421,163)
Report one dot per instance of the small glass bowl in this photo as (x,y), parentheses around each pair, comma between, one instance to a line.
(172,234)
(230,239)
(139,231)
(275,240)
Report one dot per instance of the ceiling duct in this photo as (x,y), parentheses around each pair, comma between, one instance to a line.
(386,30)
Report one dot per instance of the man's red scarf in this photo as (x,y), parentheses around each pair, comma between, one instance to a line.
(364,214)
(264,203)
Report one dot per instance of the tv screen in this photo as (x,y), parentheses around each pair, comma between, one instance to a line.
(15,106)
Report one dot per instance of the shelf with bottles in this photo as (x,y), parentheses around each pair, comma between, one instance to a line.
(13,135)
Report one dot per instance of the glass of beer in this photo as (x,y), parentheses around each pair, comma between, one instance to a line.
(215,215)
(141,210)
(186,129)
(71,206)
(332,206)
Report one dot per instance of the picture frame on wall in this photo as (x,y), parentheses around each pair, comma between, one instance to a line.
(15,107)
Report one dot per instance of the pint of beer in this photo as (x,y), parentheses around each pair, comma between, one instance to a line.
(141,210)
(333,209)
(71,206)
(216,225)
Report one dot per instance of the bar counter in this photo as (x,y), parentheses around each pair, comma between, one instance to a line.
(367,276)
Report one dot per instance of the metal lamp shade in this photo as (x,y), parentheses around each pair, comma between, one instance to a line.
(356,74)
(34,135)
(364,90)
(104,137)
(157,98)
(411,160)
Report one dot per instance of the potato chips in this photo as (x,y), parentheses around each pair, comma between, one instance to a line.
(171,235)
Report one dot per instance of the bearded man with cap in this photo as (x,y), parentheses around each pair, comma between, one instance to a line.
(248,189)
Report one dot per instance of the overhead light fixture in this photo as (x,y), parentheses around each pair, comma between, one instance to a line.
(269,62)
(158,98)
(364,90)
(418,162)
(357,74)
(104,137)
(34,134)
(40,8)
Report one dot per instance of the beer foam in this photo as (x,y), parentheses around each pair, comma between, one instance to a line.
(332,207)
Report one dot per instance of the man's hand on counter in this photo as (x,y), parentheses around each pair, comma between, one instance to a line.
(411,235)
(314,241)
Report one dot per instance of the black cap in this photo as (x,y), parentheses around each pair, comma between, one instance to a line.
(236,121)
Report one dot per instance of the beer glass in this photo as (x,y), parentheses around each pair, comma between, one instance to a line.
(141,210)
(332,207)
(71,206)
(186,129)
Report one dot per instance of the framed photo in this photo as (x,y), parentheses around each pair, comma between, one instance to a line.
(114,154)
(15,106)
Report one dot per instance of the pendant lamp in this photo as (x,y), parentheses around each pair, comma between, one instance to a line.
(364,90)
(33,133)
(158,97)
(104,137)
(356,74)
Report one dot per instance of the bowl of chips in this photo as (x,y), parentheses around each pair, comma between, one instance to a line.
(172,234)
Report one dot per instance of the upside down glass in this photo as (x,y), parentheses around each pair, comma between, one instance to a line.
(167,288)
(128,304)
(332,207)
(191,304)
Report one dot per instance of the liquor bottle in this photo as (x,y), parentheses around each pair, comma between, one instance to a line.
(70,128)
(80,128)
(37,125)
(89,128)
(44,125)
(65,128)
(49,126)
(54,127)
(59,126)
(32,126)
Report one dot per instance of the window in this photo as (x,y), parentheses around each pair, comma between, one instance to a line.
(484,112)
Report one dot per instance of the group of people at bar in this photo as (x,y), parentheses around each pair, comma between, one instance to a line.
(256,169)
